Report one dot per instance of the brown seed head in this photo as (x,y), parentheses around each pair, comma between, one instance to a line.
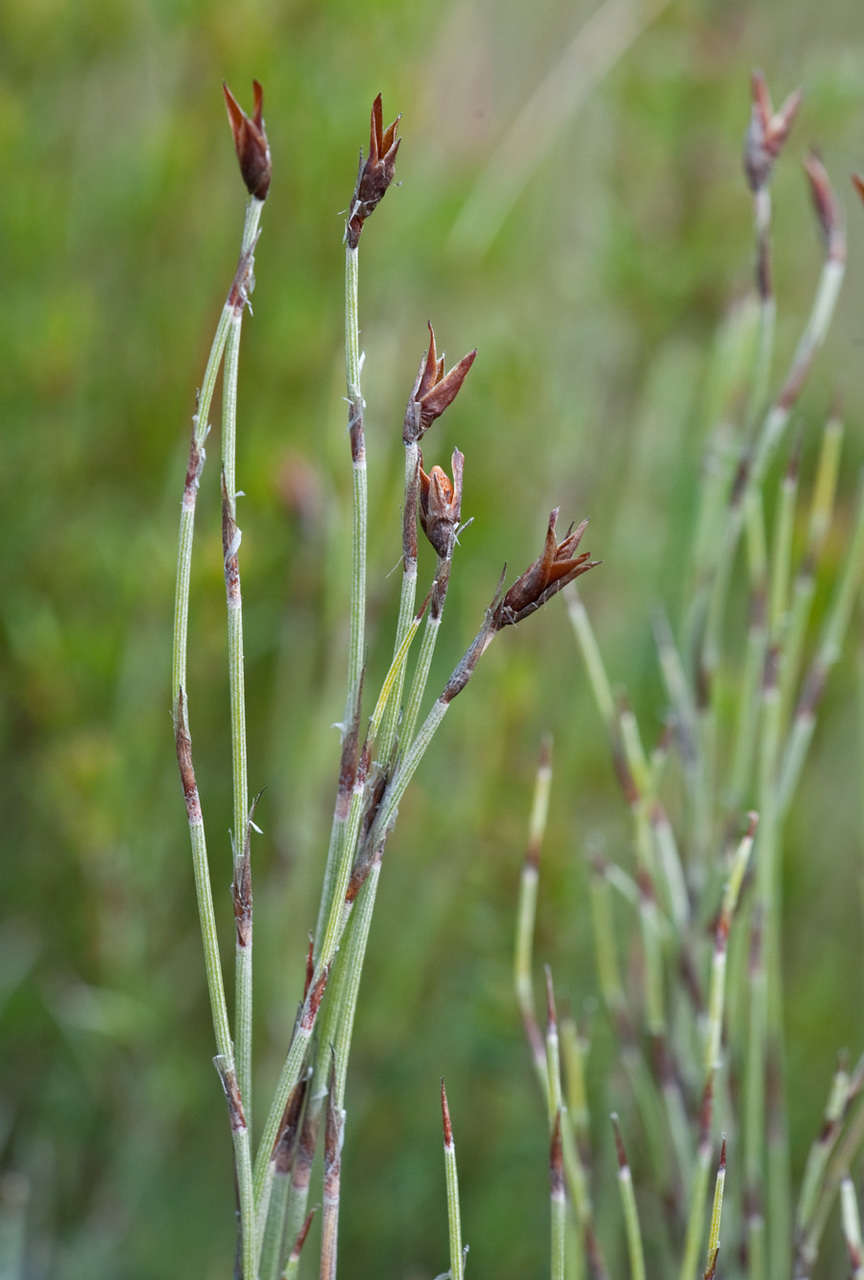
(433,390)
(554,568)
(858,184)
(441,504)
(767,132)
(250,139)
(376,173)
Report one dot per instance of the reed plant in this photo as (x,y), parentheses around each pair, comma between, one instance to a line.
(383,741)
(687,926)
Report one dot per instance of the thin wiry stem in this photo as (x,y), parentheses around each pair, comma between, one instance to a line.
(526,914)
(225,1058)
(632,1227)
(820,1151)
(830,644)
(852,1227)
(716,1216)
(557,1203)
(408,593)
(357,636)
(451,1177)
(821,510)
(753,467)
(334,1133)
(237,695)
(357,615)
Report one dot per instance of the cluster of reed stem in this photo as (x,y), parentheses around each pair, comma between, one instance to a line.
(379,752)
(699,1021)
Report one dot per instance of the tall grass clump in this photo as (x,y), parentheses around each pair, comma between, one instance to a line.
(687,924)
(383,740)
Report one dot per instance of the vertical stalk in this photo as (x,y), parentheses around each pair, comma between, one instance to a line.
(526,914)
(225,1060)
(716,1216)
(236,681)
(454,1217)
(632,1228)
(408,593)
(852,1227)
(557,1204)
(357,616)
(357,635)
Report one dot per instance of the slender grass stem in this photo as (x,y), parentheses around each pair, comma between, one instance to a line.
(716,1216)
(852,1227)
(821,510)
(408,593)
(357,634)
(752,471)
(557,1204)
(419,680)
(830,645)
(289,1077)
(451,1177)
(594,664)
(699,1185)
(839,1165)
(575,1049)
(632,1226)
(357,616)
(292,1266)
(225,1058)
(237,694)
(526,915)
(820,1151)
(333,1137)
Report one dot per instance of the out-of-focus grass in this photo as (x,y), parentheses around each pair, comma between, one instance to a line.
(593,310)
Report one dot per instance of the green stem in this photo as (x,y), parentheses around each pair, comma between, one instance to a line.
(451,1177)
(357,638)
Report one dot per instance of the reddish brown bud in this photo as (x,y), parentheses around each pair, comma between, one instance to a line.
(858,184)
(441,504)
(433,390)
(767,132)
(826,207)
(376,173)
(250,139)
(445,1117)
(554,568)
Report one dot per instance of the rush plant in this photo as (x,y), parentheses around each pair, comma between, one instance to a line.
(697,1018)
(384,740)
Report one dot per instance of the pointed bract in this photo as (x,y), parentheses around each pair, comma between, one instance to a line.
(826,207)
(767,131)
(433,390)
(441,504)
(557,566)
(376,173)
(250,140)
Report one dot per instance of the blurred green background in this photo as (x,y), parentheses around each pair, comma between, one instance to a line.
(593,301)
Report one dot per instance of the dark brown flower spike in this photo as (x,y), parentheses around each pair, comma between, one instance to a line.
(441,504)
(858,184)
(376,173)
(767,132)
(433,391)
(547,575)
(250,139)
